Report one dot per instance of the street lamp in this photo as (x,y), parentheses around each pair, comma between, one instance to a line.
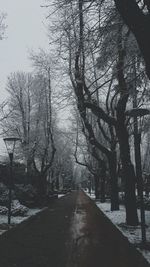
(10,143)
(135,113)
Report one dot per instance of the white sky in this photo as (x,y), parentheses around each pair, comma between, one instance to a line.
(26,30)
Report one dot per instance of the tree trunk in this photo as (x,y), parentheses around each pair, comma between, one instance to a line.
(102,184)
(137,137)
(42,186)
(57,181)
(138,166)
(89,184)
(130,198)
(139,24)
(123,139)
(127,167)
(28,172)
(113,181)
(97,184)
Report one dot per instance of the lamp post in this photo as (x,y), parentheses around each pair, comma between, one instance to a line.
(135,113)
(10,143)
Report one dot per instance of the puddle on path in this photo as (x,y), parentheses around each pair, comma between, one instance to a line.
(79,236)
(78,223)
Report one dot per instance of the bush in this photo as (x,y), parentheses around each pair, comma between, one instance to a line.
(26,194)
(16,209)
(3,210)
(146,202)
(4,198)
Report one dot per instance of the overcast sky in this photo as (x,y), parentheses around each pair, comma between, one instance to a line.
(26,30)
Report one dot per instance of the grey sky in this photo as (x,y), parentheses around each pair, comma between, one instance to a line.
(26,30)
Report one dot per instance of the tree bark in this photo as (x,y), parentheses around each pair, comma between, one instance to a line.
(102,183)
(97,186)
(127,167)
(113,181)
(139,24)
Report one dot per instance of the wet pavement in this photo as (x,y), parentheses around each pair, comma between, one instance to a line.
(72,232)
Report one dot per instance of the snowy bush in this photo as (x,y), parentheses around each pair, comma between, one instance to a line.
(3,210)
(16,209)
(146,202)
(4,195)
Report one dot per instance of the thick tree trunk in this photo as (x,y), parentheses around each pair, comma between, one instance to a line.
(127,167)
(130,198)
(123,139)
(139,24)
(113,181)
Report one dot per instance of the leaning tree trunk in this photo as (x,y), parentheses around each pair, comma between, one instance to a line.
(127,167)
(112,161)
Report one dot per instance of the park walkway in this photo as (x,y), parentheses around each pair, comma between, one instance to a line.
(72,232)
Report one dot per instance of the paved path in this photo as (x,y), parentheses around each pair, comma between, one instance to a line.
(72,232)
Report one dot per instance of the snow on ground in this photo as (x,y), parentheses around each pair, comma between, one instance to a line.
(18,219)
(61,195)
(15,219)
(131,232)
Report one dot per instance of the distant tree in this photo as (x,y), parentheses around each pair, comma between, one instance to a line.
(61,173)
(3,26)
(20,106)
(30,118)
(88,156)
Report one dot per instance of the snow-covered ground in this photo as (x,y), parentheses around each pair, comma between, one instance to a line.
(131,232)
(18,219)
(61,195)
(15,219)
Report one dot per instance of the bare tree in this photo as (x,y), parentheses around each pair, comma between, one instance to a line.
(3,26)
(45,144)
(31,119)
(74,28)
